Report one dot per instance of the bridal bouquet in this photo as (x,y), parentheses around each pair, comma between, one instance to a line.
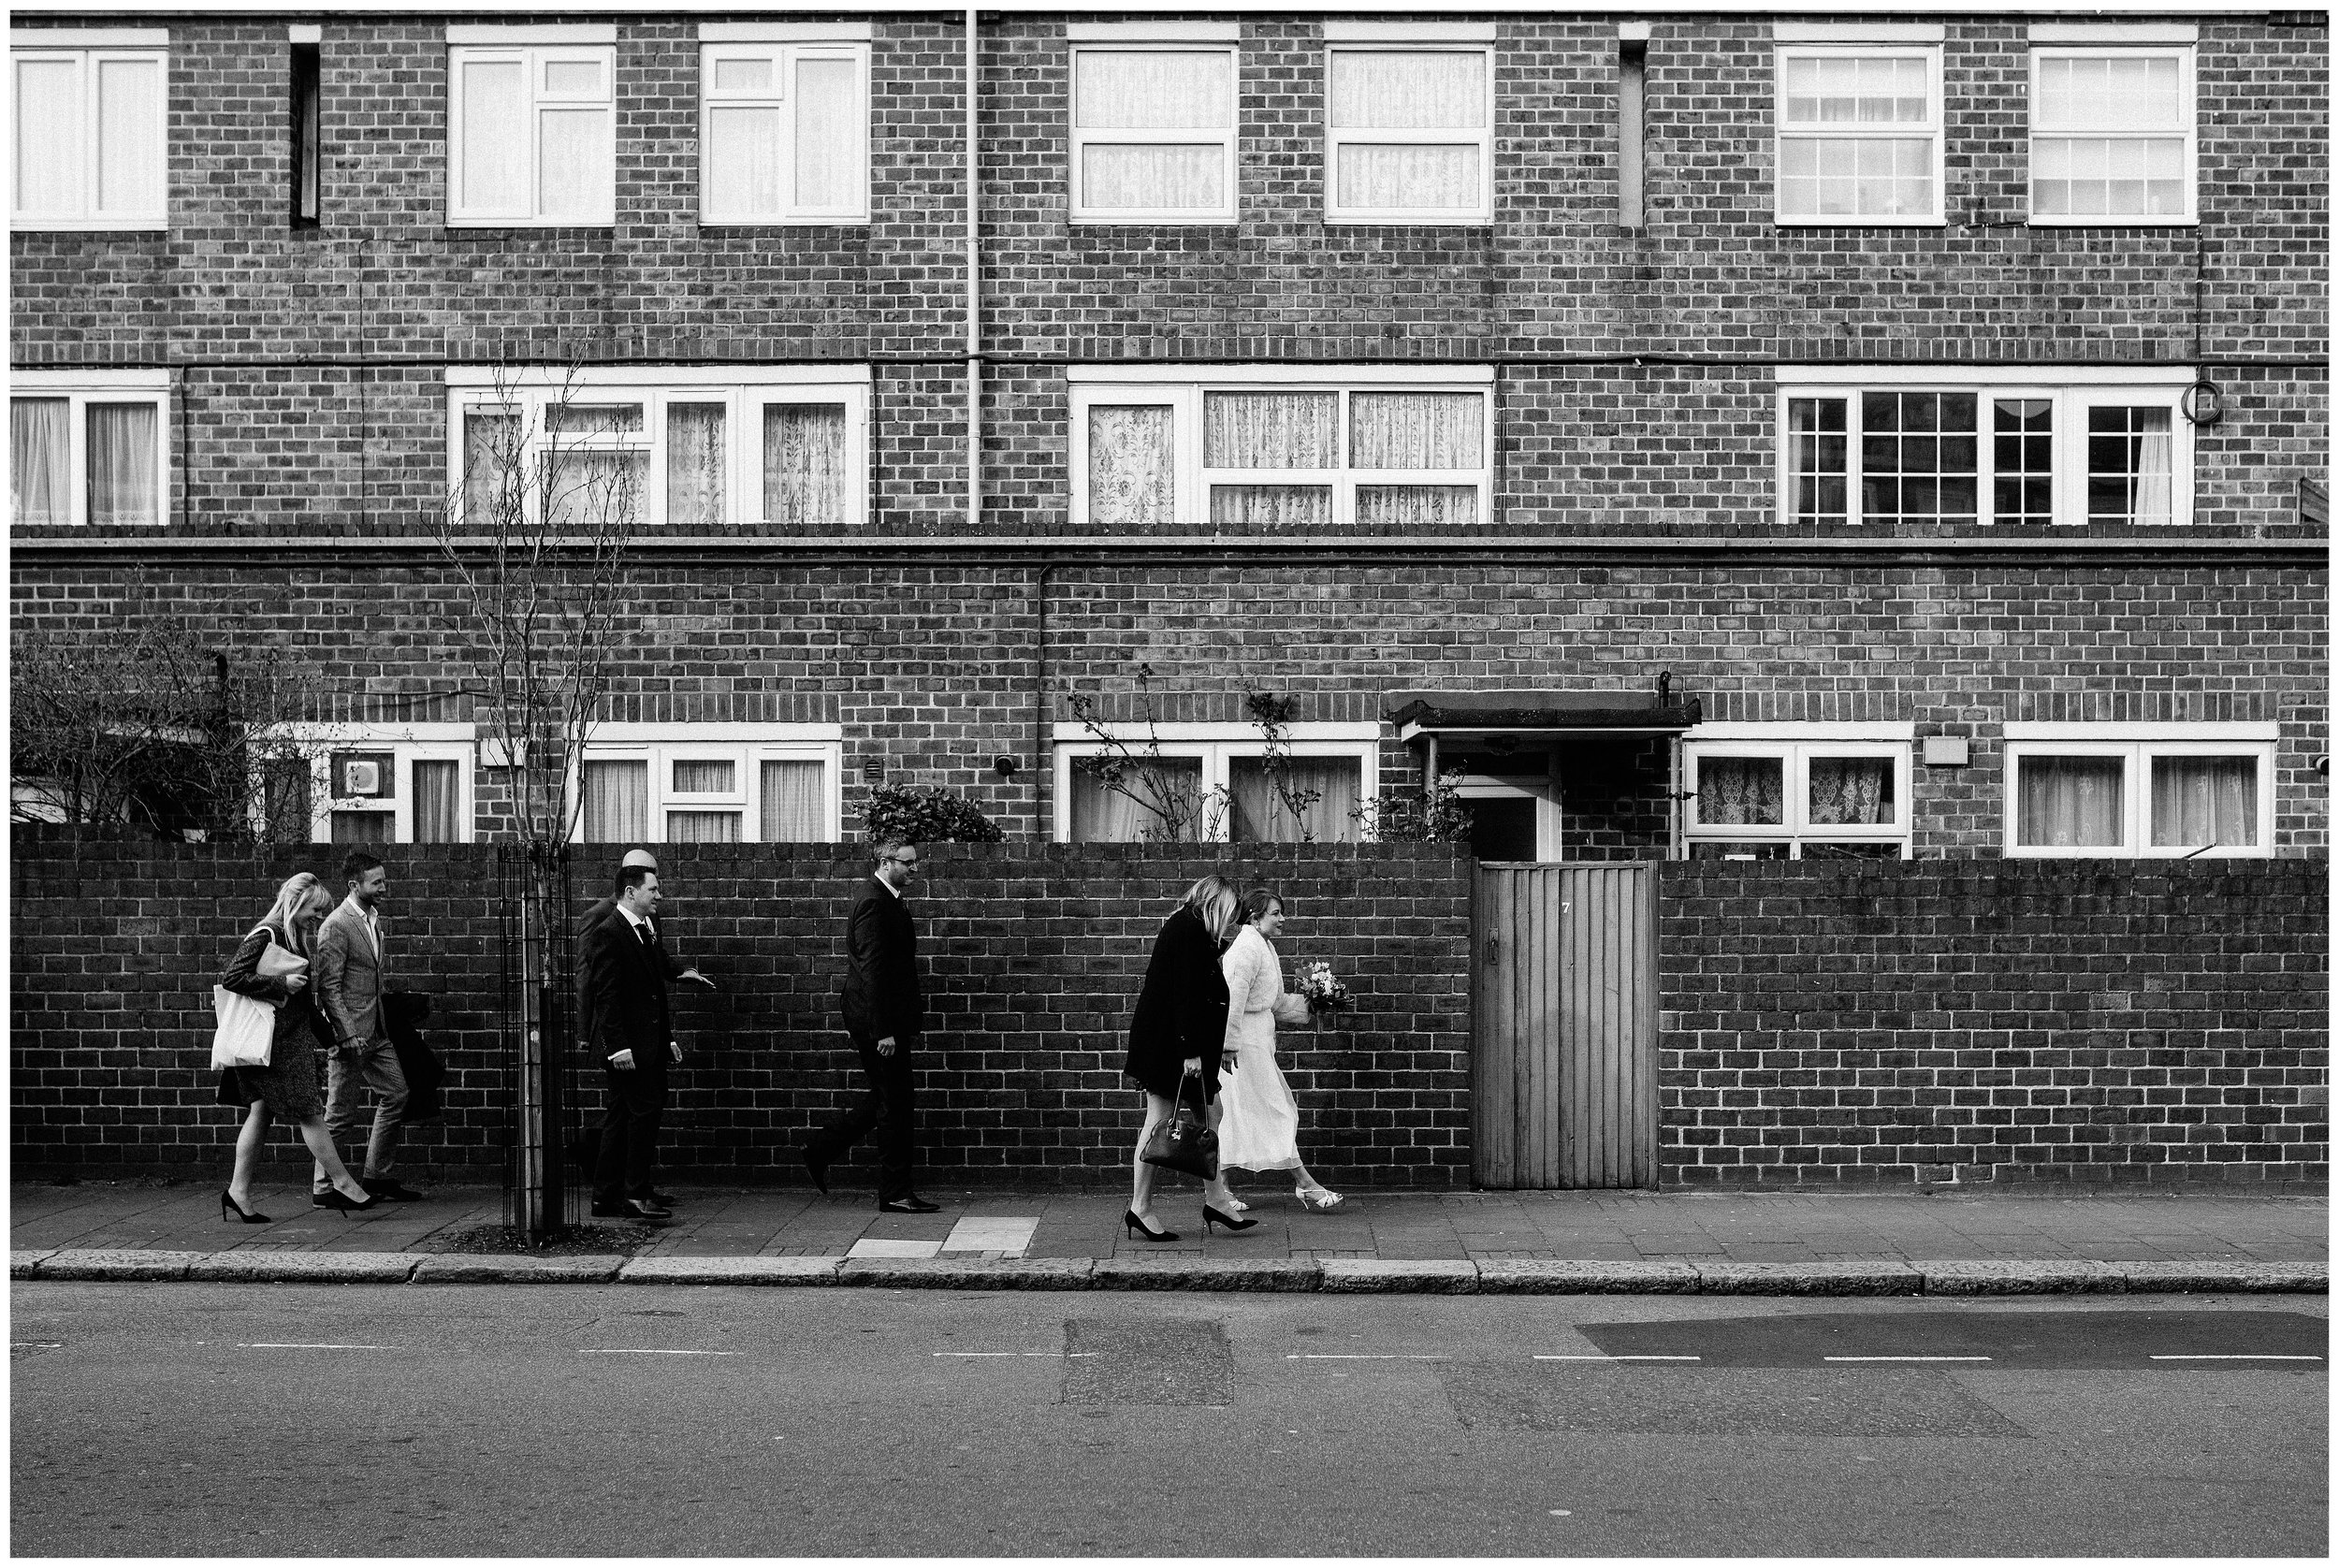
(1321,989)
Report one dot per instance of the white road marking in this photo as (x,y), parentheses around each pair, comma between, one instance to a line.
(1064,1355)
(871,1247)
(1365,1357)
(36,1344)
(1619,1358)
(2237,1358)
(658,1353)
(1905,1358)
(316,1347)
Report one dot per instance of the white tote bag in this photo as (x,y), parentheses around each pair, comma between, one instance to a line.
(247,1025)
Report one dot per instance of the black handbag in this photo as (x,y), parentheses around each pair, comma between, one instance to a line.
(1184,1141)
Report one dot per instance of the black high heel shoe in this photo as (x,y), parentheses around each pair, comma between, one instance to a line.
(249,1217)
(1211,1216)
(333,1197)
(1133,1226)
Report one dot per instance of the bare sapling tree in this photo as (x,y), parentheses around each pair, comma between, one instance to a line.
(535,534)
(149,728)
(1168,791)
(1271,716)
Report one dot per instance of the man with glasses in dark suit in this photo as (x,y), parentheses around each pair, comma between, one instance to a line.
(884,1015)
(626,1023)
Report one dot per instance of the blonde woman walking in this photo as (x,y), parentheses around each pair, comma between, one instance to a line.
(1175,1038)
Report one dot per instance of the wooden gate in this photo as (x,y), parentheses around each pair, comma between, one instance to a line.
(1563,1059)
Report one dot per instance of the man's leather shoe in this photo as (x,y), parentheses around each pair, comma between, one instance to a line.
(388,1189)
(909,1206)
(666,1199)
(611,1211)
(818,1169)
(647,1208)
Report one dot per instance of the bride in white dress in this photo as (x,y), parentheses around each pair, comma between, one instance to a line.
(1258,1128)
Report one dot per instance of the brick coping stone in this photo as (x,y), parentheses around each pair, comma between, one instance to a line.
(1428,1276)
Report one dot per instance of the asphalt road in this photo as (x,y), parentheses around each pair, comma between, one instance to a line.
(289,1420)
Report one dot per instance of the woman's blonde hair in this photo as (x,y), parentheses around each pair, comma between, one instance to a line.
(291,899)
(1216,900)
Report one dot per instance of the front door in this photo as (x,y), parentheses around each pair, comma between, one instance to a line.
(1563,1050)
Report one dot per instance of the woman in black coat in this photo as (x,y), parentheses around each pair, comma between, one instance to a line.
(1178,1034)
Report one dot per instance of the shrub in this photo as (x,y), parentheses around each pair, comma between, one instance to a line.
(927,815)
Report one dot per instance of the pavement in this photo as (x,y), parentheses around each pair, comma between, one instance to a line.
(1963,1243)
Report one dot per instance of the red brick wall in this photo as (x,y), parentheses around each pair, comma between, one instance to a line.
(1032,957)
(1879,1025)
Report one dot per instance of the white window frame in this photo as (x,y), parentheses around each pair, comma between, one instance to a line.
(1215,745)
(532,48)
(1543,789)
(1194,39)
(411,743)
(2107,387)
(1183,388)
(2139,744)
(1888,40)
(783,46)
(743,392)
(81,388)
(1463,38)
(85,47)
(745,745)
(1797,747)
(2081,41)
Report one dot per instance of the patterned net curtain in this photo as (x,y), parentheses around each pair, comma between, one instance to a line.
(1102,815)
(1131,455)
(2203,800)
(1270,431)
(1850,791)
(696,463)
(1741,792)
(2069,802)
(803,466)
(1154,91)
(1420,90)
(1415,431)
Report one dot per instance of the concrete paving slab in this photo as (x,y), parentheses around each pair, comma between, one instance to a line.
(1807,1279)
(2019,1277)
(276,1266)
(450,1268)
(1413,1276)
(665,1269)
(1569,1277)
(114,1263)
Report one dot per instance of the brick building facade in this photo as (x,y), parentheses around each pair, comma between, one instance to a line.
(1936,407)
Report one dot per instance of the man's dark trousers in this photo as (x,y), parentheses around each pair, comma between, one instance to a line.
(885,1106)
(629,1134)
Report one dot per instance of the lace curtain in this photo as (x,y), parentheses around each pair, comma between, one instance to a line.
(703,827)
(438,803)
(1160,90)
(1106,816)
(1270,508)
(1152,176)
(49,137)
(577,163)
(695,465)
(1404,508)
(793,808)
(1130,460)
(1260,816)
(129,152)
(1416,431)
(829,133)
(495,136)
(1408,89)
(1379,175)
(491,442)
(743,156)
(1741,792)
(2203,800)
(803,466)
(705,776)
(1851,790)
(590,491)
(38,443)
(616,802)
(1271,429)
(122,439)
(2065,803)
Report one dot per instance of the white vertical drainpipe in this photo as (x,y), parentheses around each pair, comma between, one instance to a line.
(974,301)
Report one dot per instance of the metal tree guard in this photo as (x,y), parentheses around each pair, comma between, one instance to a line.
(538,965)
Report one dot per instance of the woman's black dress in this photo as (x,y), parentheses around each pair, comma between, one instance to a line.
(289,1084)
(1182,1011)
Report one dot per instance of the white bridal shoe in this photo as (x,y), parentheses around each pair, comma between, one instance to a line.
(1321,1200)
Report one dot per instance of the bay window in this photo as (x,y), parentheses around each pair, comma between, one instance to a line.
(710,784)
(1408,123)
(1983,446)
(778,447)
(531,125)
(88,448)
(1153,123)
(1280,449)
(89,112)
(1858,124)
(1214,784)
(783,122)
(1786,792)
(2113,136)
(2139,790)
